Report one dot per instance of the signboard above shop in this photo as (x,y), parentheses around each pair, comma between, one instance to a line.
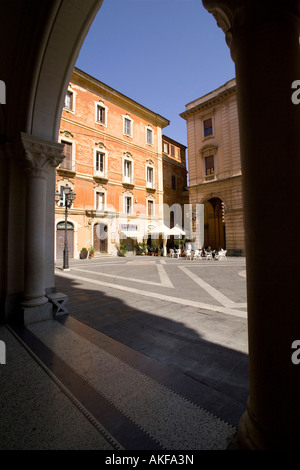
(128,227)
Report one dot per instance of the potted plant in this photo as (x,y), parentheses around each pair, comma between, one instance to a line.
(122,250)
(91,252)
(141,248)
(84,253)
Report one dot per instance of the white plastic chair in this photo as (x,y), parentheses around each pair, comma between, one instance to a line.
(178,252)
(197,254)
(222,254)
(208,255)
(188,254)
(172,253)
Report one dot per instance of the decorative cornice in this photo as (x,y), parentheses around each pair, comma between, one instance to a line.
(101,145)
(213,99)
(97,87)
(210,149)
(67,134)
(127,154)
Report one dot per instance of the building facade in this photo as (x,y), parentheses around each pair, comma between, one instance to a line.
(214,165)
(176,197)
(114,163)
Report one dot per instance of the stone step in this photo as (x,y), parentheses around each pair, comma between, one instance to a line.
(104,255)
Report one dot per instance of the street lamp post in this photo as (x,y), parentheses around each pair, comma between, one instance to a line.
(69,199)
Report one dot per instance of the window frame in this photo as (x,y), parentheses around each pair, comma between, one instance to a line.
(74,94)
(99,171)
(99,192)
(204,120)
(149,131)
(126,199)
(127,179)
(206,168)
(150,184)
(100,104)
(63,139)
(167,146)
(152,204)
(125,119)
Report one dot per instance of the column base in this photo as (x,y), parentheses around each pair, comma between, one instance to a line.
(34,301)
(252,436)
(38,313)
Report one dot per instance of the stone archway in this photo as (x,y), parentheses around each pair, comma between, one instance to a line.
(40,43)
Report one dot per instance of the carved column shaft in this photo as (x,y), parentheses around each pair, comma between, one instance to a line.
(263,37)
(39,156)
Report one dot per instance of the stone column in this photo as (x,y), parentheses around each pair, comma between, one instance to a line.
(40,155)
(264,41)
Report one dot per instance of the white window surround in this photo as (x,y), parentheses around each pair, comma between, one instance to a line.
(150,184)
(149,129)
(100,190)
(74,94)
(101,105)
(105,153)
(100,201)
(127,117)
(65,136)
(126,196)
(127,178)
(149,199)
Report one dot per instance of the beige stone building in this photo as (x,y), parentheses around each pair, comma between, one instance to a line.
(214,165)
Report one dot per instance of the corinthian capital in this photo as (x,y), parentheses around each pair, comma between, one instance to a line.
(41,154)
(238,17)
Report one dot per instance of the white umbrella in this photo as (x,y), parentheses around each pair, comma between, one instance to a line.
(161,229)
(177,231)
(165,232)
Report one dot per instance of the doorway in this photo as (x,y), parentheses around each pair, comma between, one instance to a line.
(214,225)
(100,238)
(60,239)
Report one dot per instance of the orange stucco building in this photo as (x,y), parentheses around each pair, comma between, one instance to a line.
(114,164)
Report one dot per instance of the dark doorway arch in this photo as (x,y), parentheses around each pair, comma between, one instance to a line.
(214,225)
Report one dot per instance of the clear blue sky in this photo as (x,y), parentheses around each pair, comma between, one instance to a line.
(161,53)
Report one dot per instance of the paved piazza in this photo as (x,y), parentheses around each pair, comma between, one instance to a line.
(184,313)
(152,356)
